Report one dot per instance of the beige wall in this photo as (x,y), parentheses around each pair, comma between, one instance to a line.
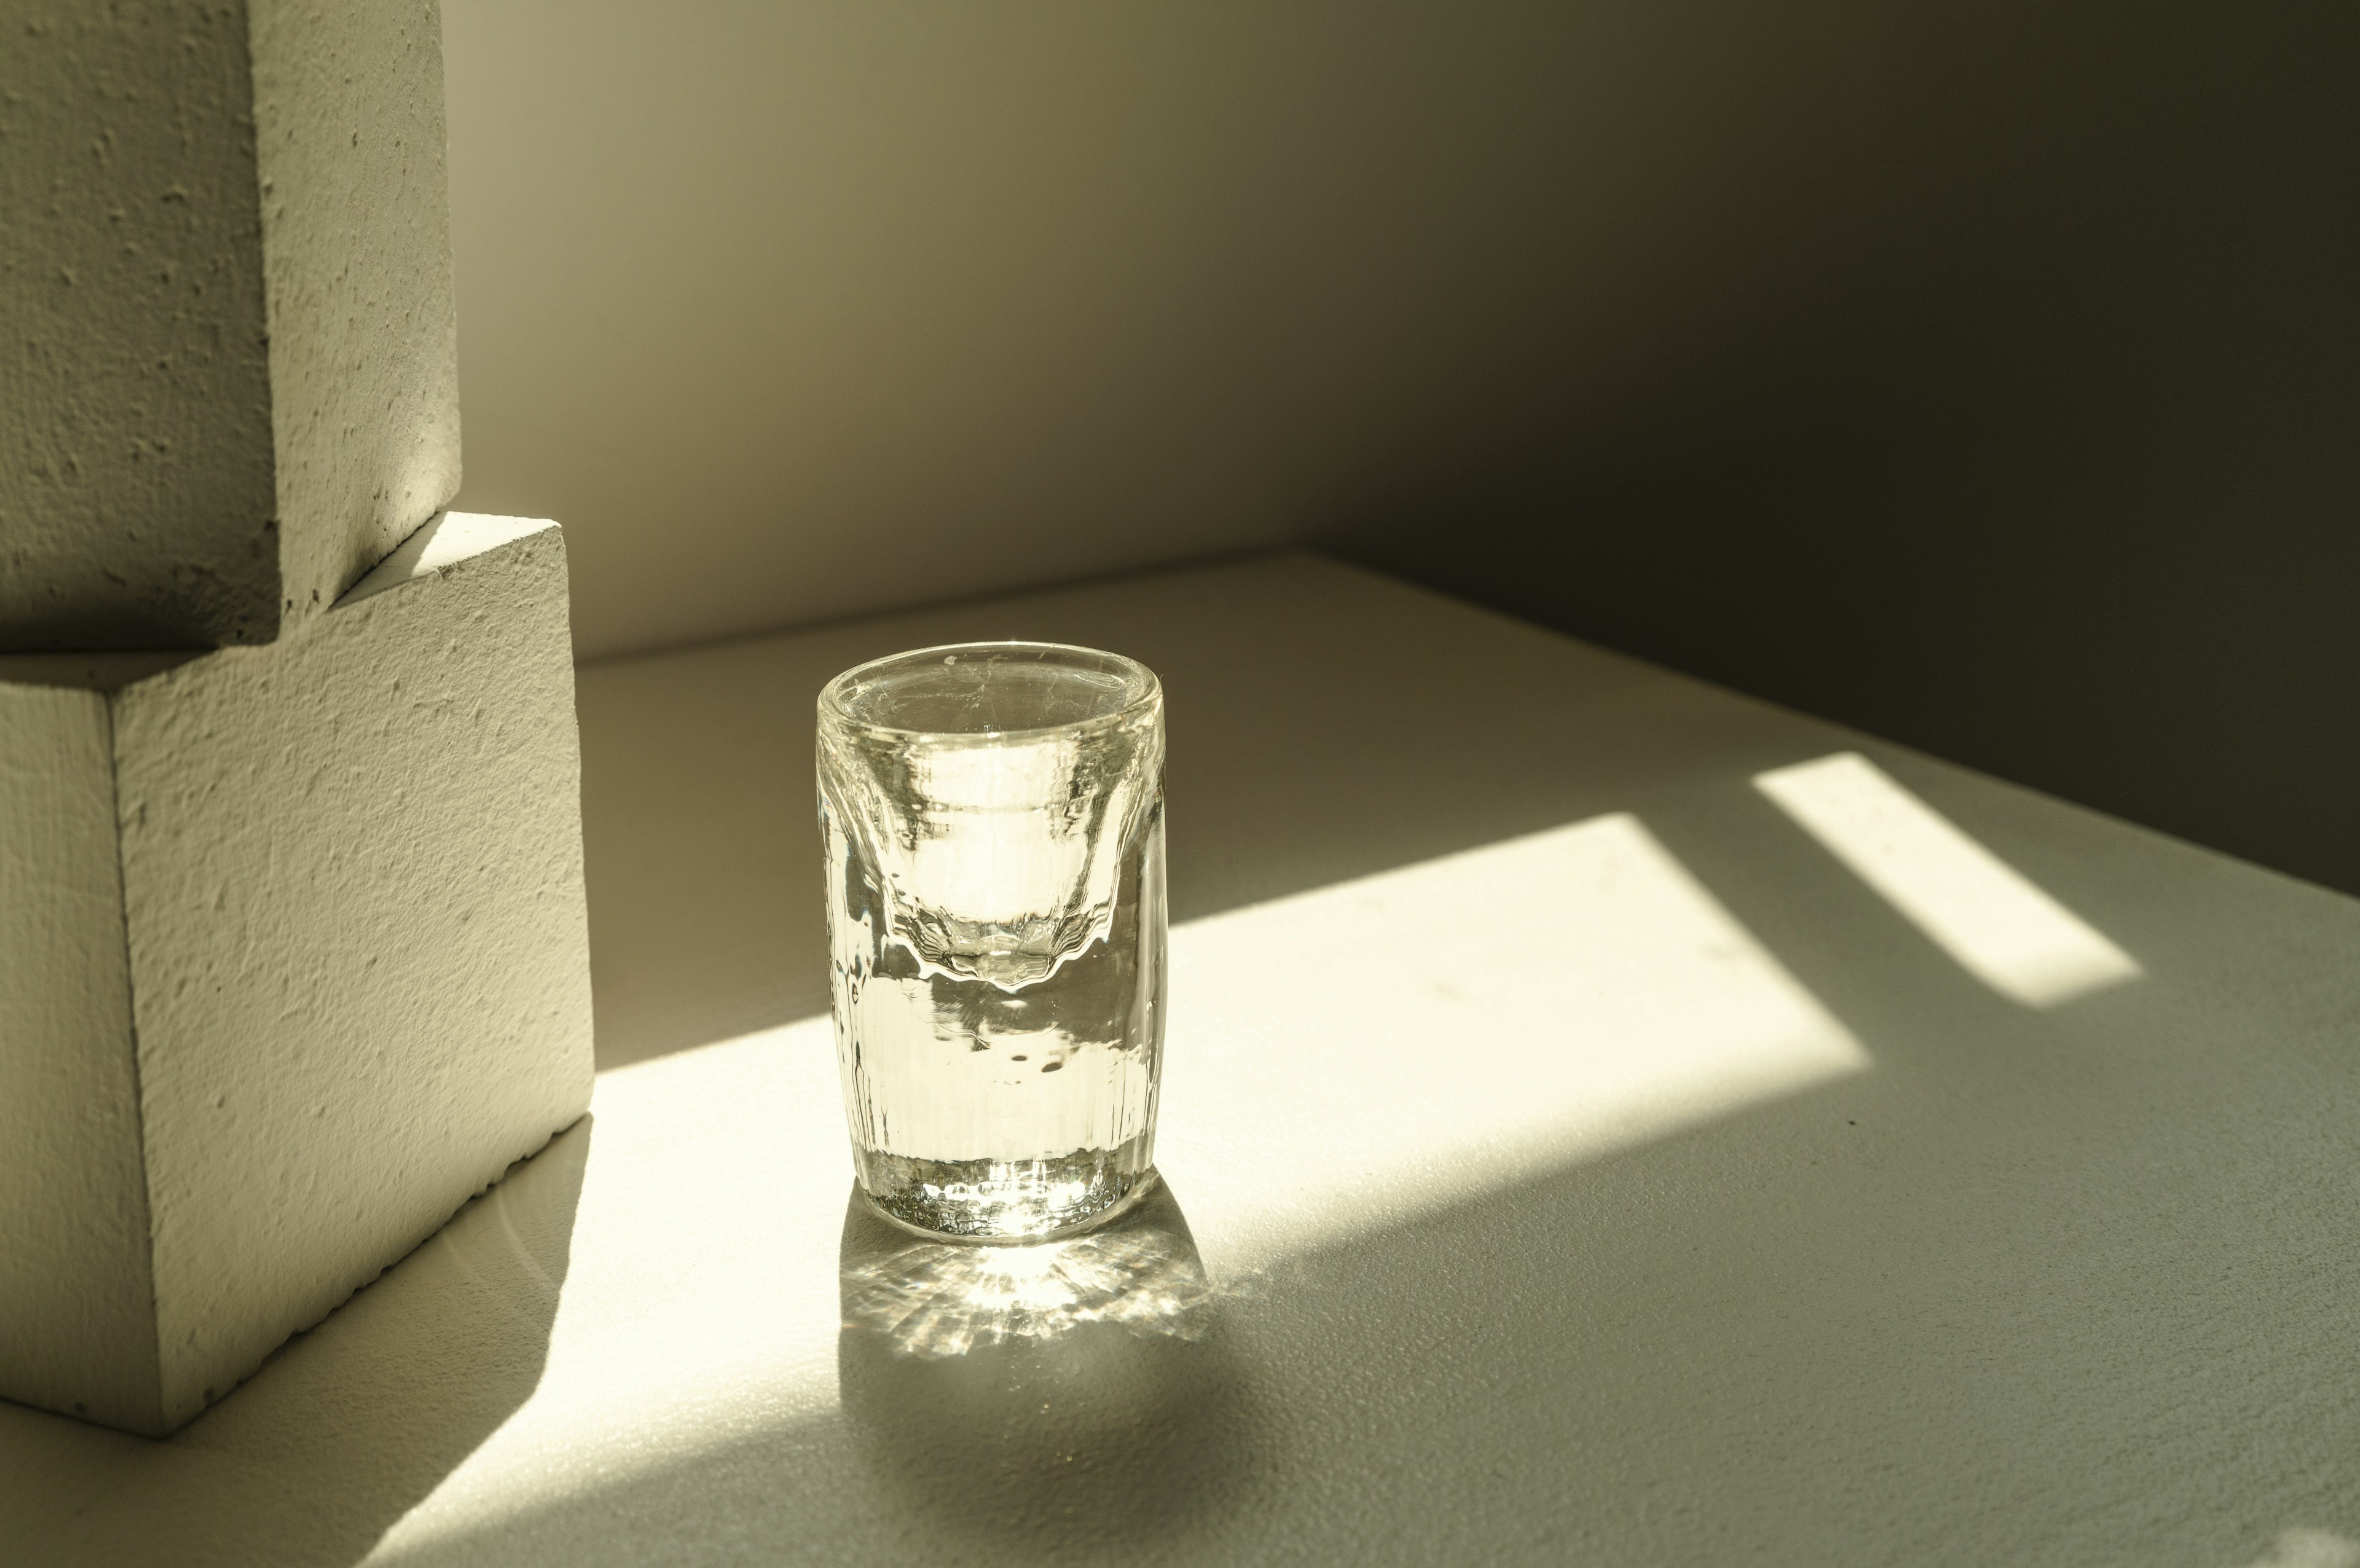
(1985,375)
(793,309)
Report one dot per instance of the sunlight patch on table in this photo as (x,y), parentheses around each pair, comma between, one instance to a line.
(702,1302)
(1350,1057)
(1975,907)
(1338,1062)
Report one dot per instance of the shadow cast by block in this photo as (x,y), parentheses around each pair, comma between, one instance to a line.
(345,1429)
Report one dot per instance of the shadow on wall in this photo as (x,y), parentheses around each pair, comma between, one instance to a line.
(2033,449)
(343,1431)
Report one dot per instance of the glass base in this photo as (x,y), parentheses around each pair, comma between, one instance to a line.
(992,1203)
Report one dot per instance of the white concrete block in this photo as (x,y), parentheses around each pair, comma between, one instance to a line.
(294,960)
(228,362)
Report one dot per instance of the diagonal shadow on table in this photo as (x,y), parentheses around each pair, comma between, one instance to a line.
(1292,683)
(1065,1397)
(343,1430)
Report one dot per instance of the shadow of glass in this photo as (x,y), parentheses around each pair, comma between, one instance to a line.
(1074,1394)
(345,1429)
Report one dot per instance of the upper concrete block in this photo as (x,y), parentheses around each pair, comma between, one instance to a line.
(293,961)
(228,346)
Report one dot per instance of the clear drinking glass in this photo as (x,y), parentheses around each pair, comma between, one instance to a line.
(993,815)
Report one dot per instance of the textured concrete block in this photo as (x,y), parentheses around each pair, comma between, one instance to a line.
(228,361)
(294,960)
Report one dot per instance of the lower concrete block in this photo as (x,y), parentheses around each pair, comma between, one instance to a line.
(293,961)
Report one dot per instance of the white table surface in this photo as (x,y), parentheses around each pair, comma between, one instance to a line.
(1570,1159)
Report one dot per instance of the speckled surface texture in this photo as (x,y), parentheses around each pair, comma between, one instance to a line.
(77,1331)
(351,899)
(364,328)
(229,381)
(1885,1266)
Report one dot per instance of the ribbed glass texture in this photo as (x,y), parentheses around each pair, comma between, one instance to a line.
(993,819)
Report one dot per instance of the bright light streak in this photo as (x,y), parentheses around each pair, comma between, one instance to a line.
(2003,929)
(701,1305)
(1350,1057)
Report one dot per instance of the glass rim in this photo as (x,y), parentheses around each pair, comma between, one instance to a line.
(1144,688)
